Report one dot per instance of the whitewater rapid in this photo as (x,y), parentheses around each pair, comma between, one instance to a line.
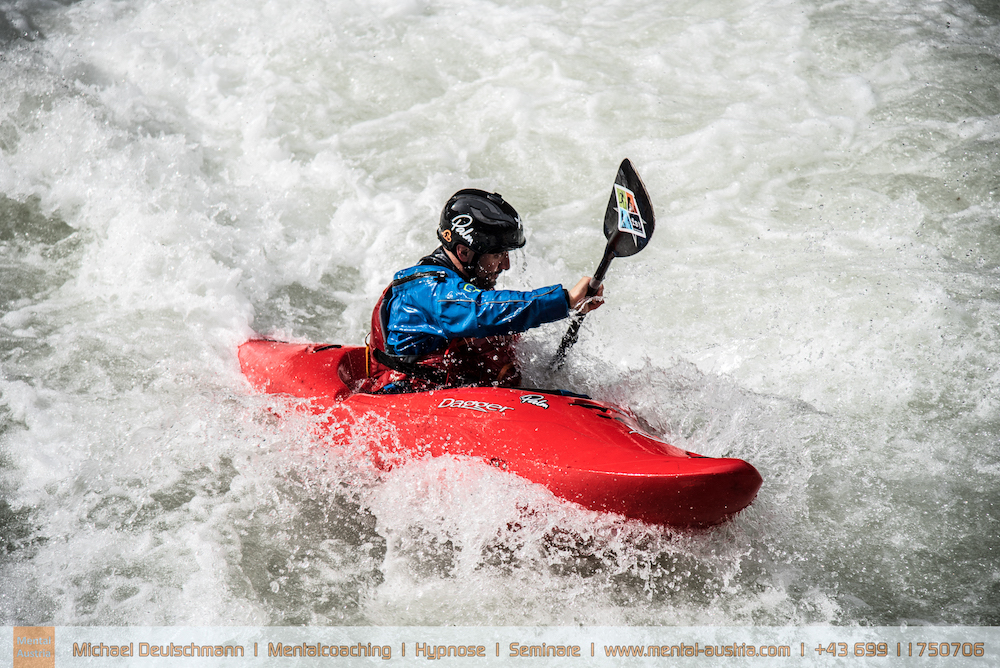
(820,299)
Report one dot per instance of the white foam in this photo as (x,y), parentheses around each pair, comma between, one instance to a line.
(817,299)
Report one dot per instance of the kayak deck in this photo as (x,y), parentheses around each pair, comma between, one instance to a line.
(586,451)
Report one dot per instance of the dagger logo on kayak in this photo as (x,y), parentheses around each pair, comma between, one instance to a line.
(629,219)
(481,406)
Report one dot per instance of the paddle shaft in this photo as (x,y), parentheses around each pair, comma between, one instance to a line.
(573,333)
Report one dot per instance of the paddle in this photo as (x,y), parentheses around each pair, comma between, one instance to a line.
(628,226)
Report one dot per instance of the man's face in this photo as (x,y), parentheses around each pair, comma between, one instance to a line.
(490,266)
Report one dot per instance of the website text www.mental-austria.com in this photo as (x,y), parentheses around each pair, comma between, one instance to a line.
(733,650)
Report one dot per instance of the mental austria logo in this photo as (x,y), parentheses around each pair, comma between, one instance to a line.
(34,647)
(629,218)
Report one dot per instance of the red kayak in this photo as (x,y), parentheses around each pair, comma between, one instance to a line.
(583,450)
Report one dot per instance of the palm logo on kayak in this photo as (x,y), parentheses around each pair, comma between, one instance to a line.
(481,406)
(534,400)
(629,219)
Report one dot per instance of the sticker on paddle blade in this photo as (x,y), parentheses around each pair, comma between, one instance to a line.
(629,218)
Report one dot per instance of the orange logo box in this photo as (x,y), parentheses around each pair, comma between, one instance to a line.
(34,647)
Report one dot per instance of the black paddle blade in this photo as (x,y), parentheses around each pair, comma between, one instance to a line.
(629,218)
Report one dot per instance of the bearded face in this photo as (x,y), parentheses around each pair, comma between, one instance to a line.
(488,269)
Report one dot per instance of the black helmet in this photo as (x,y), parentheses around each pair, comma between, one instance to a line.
(480,220)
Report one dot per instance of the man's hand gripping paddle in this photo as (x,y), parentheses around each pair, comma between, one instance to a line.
(628,227)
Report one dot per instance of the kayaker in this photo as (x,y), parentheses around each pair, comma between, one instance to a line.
(442,323)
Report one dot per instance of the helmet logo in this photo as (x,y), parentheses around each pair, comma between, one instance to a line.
(447,236)
(463,225)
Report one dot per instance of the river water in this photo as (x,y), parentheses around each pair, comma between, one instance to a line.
(820,298)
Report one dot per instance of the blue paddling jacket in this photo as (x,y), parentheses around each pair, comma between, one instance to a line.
(430,307)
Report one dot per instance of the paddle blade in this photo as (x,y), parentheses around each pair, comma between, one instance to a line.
(629,218)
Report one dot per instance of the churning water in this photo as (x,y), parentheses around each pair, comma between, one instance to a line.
(821,298)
